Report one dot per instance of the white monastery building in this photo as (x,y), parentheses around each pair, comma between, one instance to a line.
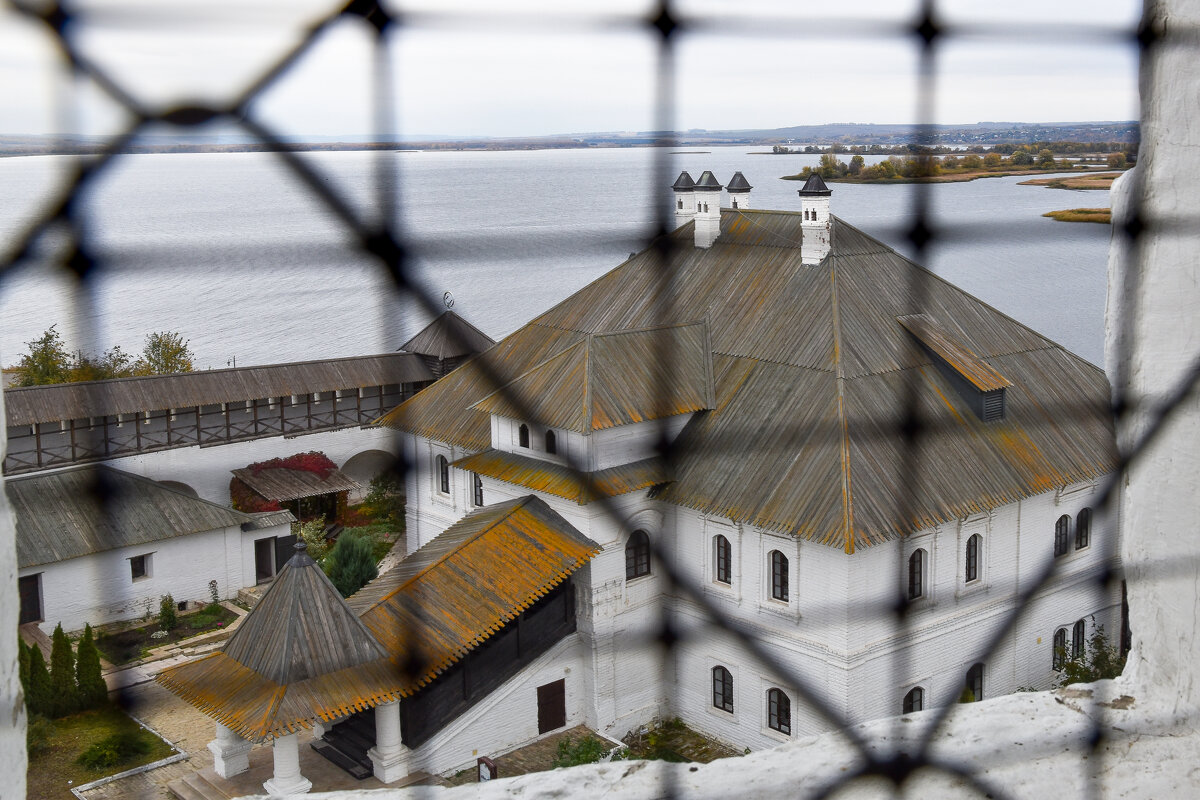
(811,431)
(779,367)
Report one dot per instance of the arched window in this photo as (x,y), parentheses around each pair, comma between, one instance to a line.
(974,684)
(477,488)
(973,546)
(551,443)
(916,574)
(779,711)
(914,700)
(637,555)
(1078,633)
(1060,648)
(722,554)
(1062,535)
(680,205)
(722,686)
(443,475)
(1083,529)
(779,576)
(735,203)
(523,435)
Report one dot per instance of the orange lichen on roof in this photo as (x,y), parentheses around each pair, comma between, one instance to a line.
(562,481)
(464,585)
(415,620)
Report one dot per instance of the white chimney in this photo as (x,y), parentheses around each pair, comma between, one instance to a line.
(685,198)
(739,191)
(815,227)
(708,209)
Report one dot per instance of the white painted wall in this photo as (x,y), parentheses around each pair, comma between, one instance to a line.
(99,588)
(816,232)
(12,700)
(610,447)
(207,469)
(507,718)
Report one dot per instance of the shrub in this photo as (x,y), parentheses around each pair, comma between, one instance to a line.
(313,534)
(587,750)
(350,564)
(64,693)
(113,750)
(166,613)
(1100,659)
(93,691)
(23,666)
(385,499)
(38,731)
(38,698)
(212,590)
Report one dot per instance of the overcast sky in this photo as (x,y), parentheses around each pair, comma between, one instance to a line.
(462,67)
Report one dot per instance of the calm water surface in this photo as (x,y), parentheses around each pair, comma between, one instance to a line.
(235,252)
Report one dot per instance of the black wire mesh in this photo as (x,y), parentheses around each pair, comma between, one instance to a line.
(376,232)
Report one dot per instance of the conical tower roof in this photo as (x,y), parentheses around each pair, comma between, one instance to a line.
(683,183)
(815,187)
(738,183)
(448,336)
(302,628)
(708,182)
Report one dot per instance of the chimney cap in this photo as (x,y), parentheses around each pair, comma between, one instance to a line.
(738,183)
(815,187)
(683,183)
(708,183)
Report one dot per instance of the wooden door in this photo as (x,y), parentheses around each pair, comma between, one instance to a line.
(552,706)
(285,548)
(30,588)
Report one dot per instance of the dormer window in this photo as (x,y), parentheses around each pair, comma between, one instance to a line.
(551,443)
(523,435)
(983,388)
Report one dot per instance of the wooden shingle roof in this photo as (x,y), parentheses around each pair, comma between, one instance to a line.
(448,336)
(811,368)
(461,587)
(304,654)
(60,515)
(562,481)
(62,401)
(611,379)
(282,484)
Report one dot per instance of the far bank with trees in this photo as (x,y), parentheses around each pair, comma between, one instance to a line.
(47,360)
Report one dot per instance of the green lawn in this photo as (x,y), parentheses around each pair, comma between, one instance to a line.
(52,768)
(129,644)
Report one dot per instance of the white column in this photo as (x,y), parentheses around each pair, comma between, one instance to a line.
(287,779)
(231,753)
(389,755)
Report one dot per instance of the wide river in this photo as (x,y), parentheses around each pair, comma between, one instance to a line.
(235,253)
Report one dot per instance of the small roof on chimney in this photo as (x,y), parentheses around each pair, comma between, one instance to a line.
(708,182)
(738,183)
(815,187)
(683,183)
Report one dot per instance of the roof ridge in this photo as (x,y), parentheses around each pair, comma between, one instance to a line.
(840,393)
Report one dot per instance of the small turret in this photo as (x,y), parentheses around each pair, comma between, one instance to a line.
(739,191)
(685,197)
(814,205)
(708,209)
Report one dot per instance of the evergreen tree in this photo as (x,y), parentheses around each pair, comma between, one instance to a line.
(64,694)
(93,691)
(38,699)
(351,563)
(23,664)
(166,613)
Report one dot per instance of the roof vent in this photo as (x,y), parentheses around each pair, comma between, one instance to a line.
(982,387)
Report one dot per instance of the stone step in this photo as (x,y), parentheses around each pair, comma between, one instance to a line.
(195,787)
(348,763)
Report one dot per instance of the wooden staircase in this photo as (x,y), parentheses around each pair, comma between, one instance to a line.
(195,787)
(346,744)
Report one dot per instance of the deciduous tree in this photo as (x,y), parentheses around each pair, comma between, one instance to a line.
(46,362)
(165,353)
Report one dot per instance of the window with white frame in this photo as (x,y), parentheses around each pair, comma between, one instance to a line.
(722,689)
(779,575)
(722,560)
(779,711)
